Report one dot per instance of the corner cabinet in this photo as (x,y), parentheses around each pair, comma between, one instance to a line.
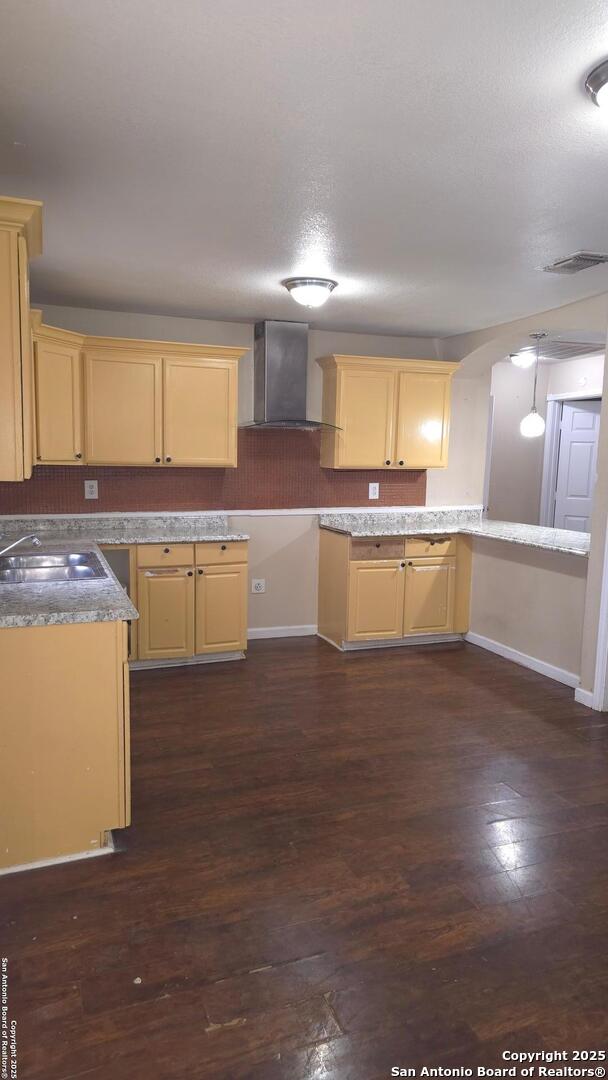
(20,240)
(110,401)
(386,414)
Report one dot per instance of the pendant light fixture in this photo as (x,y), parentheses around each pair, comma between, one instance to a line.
(533,425)
(524,358)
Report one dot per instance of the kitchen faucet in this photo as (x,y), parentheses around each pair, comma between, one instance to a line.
(30,536)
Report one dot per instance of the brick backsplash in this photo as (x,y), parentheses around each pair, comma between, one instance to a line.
(277,469)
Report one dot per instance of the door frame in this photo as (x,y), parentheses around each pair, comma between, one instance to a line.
(551,452)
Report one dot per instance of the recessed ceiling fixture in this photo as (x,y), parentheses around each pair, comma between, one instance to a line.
(310,291)
(533,424)
(596,84)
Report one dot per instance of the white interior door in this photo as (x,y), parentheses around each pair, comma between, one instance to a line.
(577,465)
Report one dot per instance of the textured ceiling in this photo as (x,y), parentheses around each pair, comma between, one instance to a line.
(191,154)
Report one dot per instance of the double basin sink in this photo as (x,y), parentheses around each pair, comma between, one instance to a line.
(36,569)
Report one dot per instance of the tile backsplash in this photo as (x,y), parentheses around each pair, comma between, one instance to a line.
(277,470)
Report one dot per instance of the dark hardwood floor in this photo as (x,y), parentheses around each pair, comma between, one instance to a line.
(338,864)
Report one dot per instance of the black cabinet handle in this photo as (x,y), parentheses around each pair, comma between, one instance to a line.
(410,564)
(166,550)
(168,459)
(157,459)
(402,462)
(378,545)
(403,564)
(78,455)
(200,571)
(223,547)
(190,573)
(388,461)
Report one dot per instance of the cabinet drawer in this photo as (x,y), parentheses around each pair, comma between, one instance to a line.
(165,554)
(421,547)
(225,551)
(376,549)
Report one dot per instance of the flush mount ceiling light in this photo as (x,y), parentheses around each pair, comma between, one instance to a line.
(310,291)
(596,84)
(533,424)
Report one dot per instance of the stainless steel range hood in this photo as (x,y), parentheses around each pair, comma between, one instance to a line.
(280,361)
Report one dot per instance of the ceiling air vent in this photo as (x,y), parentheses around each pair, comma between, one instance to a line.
(571,264)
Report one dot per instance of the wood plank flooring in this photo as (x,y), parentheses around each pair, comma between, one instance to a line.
(338,864)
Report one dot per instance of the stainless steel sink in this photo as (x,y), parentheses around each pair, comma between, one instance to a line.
(23,569)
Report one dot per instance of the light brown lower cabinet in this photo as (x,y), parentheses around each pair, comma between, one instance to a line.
(191,609)
(430,593)
(221,608)
(64,739)
(389,589)
(166,612)
(375,600)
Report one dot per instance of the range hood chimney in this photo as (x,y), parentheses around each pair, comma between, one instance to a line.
(280,362)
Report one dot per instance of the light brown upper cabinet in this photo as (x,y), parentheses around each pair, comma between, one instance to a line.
(200,411)
(58,385)
(20,240)
(123,393)
(386,414)
(150,405)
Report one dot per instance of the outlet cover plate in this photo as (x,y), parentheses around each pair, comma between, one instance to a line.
(374,491)
(258,585)
(91,489)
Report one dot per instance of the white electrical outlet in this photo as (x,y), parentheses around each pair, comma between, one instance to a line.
(374,491)
(258,585)
(90,489)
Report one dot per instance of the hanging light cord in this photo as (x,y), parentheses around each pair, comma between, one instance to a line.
(539,336)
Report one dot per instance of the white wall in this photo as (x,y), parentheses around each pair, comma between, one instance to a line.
(516,466)
(284,550)
(583,375)
(530,601)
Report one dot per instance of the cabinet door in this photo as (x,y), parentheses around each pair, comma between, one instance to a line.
(375,600)
(123,409)
(200,407)
(429,596)
(166,612)
(423,420)
(58,403)
(221,608)
(366,416)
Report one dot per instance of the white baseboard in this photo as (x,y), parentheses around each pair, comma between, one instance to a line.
(541,666)
(108,849)
(584,697)
(280,631)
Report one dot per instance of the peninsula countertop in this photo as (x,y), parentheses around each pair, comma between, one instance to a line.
(429,522)
(55,603)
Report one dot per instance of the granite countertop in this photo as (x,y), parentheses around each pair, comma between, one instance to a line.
(174,528)
(465,520)
(55,603)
